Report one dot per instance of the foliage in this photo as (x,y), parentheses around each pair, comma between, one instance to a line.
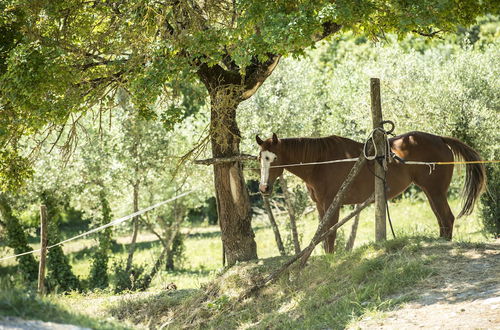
(98,277)
(127,280)
(447,89)
(14,169)
(490,200)
(60,276)
(17,240)
(67,57)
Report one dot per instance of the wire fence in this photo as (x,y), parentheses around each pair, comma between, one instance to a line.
(110,224)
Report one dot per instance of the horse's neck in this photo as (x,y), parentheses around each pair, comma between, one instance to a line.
(296,151)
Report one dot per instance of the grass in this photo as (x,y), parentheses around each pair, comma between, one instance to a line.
(28,305)
(332,290)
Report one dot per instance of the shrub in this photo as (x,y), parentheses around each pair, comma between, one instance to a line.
(490,209)
(127,280)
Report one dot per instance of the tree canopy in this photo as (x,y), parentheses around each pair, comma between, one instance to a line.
(62,59)
(59,59)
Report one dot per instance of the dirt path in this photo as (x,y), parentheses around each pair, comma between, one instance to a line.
(15,323)
(464,295)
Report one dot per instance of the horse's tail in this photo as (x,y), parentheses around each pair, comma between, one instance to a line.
(475,175)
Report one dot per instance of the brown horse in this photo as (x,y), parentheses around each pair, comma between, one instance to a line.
(324,180)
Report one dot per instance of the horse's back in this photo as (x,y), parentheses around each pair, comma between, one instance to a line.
(421,146)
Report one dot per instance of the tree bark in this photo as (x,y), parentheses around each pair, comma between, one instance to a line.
(274,225)
(291,213)
(233,201)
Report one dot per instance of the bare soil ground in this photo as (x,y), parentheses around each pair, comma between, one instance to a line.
(465,294)
(15,323)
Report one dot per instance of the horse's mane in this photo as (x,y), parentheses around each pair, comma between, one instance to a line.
(331,147)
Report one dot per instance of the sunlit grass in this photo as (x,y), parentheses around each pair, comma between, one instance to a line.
(331,292)
(203,263)
(28,305)
(203,246)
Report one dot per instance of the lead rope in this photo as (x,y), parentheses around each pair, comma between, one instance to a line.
(387,209)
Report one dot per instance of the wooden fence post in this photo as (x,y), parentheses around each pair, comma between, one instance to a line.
(43,251)
(380,143)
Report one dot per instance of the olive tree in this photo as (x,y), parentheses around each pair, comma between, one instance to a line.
(66,57)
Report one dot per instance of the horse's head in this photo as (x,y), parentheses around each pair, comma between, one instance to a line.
(269,156)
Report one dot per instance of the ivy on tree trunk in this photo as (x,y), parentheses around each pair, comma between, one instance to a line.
(17,240)
(99,269)
(59,273)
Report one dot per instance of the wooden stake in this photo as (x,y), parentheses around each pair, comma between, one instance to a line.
(380,202)
(354,229)
(274,225)
(43,252)
(291,213)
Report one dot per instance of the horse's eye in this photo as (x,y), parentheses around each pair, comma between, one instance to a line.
(267,158)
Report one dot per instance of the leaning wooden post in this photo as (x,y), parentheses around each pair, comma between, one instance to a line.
(378,136)
(43,249)
(274,225)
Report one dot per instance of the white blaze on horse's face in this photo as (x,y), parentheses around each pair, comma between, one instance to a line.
(266,158)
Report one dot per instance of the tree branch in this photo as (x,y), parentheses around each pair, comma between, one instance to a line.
(257,73)
(329,28)
(86,66)
(213,76)
(430,34)
(237,158)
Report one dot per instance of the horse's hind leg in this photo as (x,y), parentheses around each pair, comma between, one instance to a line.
(329,242)
(443,213)
(435,185)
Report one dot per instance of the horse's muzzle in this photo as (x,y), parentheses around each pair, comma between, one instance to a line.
(265,189)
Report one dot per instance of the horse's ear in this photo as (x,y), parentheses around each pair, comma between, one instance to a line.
(275,139)
(259,140)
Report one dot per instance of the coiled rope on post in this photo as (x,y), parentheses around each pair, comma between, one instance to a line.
(110,224)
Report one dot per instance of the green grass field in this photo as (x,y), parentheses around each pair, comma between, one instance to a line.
(203,253)
(203,265)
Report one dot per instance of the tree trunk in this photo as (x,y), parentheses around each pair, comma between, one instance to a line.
(291,213)
(168,246)
(233,201)
(274,225)
(135,224)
